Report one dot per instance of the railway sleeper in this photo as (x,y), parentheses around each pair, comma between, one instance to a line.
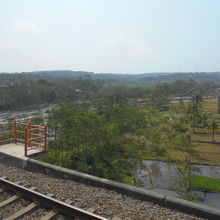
(24,211)
(54,213)
(9,201)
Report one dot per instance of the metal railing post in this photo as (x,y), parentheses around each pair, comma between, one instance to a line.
(45,138)
(29,127)
(26,142)
(14,132)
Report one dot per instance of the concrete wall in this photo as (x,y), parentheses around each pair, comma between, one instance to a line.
(142,194)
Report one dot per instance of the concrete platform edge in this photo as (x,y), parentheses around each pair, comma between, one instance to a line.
(135,192)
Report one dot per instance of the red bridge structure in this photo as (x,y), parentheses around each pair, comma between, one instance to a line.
(34,137)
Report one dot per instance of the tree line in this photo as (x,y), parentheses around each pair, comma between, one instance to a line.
(28,92)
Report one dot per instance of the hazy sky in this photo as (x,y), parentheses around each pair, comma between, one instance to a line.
(120,36)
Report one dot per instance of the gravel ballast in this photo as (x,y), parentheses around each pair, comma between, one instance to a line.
(105,202)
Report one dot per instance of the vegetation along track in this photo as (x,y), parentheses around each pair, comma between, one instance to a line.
(30,204)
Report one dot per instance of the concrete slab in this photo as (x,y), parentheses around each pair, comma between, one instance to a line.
(16,150)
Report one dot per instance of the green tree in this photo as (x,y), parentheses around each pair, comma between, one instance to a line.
(186,147)
(213,124)
(106,145)
(195,108)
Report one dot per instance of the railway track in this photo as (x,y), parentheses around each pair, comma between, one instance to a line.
(22,202)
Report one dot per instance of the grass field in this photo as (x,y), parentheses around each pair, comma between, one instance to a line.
(205,137)
(205,183)
(206,153)
(199,158)
(210,106)
(210,148)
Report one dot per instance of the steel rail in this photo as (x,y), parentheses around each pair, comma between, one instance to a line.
(63,207)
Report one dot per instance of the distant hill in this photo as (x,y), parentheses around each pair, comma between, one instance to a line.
(53,74)
(6,78)
(199,76)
